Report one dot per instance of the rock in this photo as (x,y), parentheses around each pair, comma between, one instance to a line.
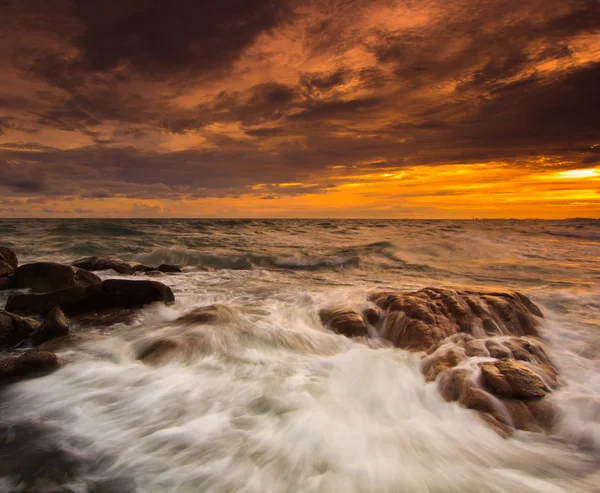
(521,416)
(168,268)
(105,318)
(500,428)
(205,315)
(451,382)
(440,361)
(5,269)
(159,351)
(54,325)
(5,283)
(474,398)
(372,316)
(508,378)
(29,364)
(417,320)
(112,293)
(14,329)
(105,263)
(8,264)
(344,322)
(10,257)
(45,277)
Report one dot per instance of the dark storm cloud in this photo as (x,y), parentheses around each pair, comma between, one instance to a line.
(475,82)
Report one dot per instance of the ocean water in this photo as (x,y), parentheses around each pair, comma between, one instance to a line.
(270,401)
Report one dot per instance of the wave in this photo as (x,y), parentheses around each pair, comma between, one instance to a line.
(183,256)
(581,235)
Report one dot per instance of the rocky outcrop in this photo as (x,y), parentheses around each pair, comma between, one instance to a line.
(112,293)
(54,325)
(121,266)
(483,350)
(29,364)
(8,265)
(345,322)
(106,263)
(14,330)
(416,321)
(45,277)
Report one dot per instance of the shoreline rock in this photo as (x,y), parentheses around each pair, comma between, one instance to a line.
(111,293)
(45,277)
(8,264)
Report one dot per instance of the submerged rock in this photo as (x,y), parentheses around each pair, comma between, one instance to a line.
(345,322)
(54,325)
(205,315)
(14,329)
(112,293)
(169,268)
(30,364)
(45,277)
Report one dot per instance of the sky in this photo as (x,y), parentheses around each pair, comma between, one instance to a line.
(300,108)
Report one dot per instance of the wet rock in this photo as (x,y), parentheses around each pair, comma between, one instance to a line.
(168,268)
(112,293)
(440,361)
(521,416)
(499,427)
(474,398)
(372,316)
(418,320)
(5,283)
(30,364)
(105,318)
(8,264)
(508,378)
(344,322)
(106,263)
(45,277)
(205,315)
(14,329)
(159,351)
(54,325)
(9,257)
(451,382)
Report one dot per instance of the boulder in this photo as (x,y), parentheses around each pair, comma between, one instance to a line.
(9,257)
(112,293)
(106,263)
(509,378)
(54,325)
(205,315)
(45,277)
(345,322)
(418,320)
(168,268)
(29,364)
(14,329)
(5,283)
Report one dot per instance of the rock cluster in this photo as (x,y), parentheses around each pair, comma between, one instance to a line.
(482,349)
(37,318)
(120,266)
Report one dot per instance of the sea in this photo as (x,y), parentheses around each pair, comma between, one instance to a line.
(271,401)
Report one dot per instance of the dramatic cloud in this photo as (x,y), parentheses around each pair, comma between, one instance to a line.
(295,107)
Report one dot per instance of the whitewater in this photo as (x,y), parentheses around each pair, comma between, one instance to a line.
(271,401)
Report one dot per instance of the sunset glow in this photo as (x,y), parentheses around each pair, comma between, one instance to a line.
(366,109)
